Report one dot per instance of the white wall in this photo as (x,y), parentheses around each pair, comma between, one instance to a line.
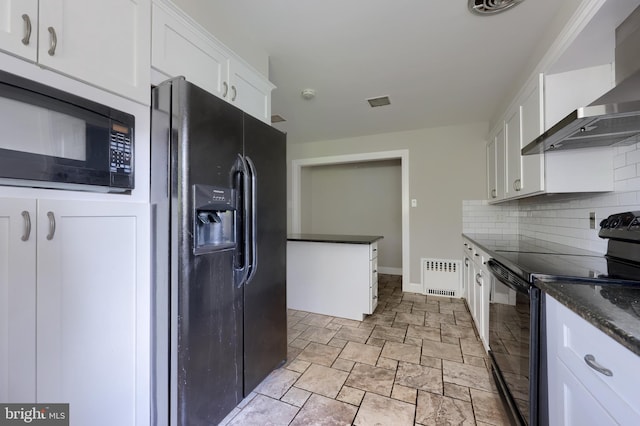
(446,165)
(361,198)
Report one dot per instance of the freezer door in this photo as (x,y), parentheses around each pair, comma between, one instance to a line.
(265,310)
(207,303)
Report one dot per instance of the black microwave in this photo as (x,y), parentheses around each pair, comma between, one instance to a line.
(54,139)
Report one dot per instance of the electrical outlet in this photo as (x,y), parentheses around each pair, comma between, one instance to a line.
(592,220)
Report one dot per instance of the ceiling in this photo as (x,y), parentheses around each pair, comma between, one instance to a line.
(438,63)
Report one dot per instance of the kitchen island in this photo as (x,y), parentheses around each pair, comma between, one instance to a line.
(333,275)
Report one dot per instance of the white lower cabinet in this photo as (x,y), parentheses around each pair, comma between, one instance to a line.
(74,320)
(477,287)
(578,393)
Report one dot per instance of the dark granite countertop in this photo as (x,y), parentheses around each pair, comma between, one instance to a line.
(613,309)
(328,238)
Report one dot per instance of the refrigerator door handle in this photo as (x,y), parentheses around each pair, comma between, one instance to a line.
(241,273)
(253,260)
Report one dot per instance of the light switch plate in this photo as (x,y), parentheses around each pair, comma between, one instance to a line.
(414,202)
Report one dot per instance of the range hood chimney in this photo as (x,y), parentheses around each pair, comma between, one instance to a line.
(612,118)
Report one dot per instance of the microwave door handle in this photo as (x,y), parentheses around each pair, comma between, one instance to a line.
(253,264)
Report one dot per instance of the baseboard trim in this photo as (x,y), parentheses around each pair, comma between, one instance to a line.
(389,270)
(412,288)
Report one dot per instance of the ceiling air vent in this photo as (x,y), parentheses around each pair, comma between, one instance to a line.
(380,101)
(491,7)
(275,118)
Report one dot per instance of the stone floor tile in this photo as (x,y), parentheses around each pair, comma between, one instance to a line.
(414,297)
(432,362)
(261,408)
(371,379)
(439,317)
(346,322)
(441,350)
(317,320)
(404,393)
(450,339)
(434,409)
(401,352)
(413,341)
(299,343)
(298,365)
(374,341)
(337,343)
(353,334)
(456,391)
(296,396)
(467,375)
(459,331)
(488,407)
(277,383)
(322,411)
(409,318)
(323,380)
(378,410)
(472,347)
(421,332)
(318,334)
(350,395)
(343,364)
(419,377)
(473,360)
(389,364)
(359,352)
(317,353)
(292,335)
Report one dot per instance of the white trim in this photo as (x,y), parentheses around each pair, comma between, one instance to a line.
(412,288)
(389,270)
(403,155)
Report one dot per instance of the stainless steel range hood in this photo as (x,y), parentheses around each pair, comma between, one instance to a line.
(612,118)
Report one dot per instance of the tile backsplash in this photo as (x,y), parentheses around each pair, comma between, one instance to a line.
(562,218)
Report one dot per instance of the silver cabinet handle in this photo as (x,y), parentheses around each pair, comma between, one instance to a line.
(52,226)
(493,193)
(479,279)
(517,185)
(53,41)
(591,362)
(235,93)
(27,29)
(226,89)
(466,262)
(26,232)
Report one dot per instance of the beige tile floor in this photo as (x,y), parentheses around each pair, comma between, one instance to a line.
(416,361)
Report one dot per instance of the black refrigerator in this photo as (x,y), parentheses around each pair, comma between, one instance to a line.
(218,200)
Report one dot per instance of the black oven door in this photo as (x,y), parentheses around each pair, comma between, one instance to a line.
(514,342)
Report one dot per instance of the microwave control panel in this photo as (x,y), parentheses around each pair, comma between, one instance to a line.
(121,156)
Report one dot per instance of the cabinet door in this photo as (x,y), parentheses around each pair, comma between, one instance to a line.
(89,304)
(180,47)
(250,92)
(514,159)
(103,43)
(491,170)
(571,404)
(17,300)
(19,27)
(501,161)
(532,119)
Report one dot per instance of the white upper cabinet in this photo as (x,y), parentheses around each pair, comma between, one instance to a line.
(18,28)
(105,44)
(181,47)
(514,159)
(532,126)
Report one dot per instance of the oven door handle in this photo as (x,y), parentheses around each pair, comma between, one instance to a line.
(507,277)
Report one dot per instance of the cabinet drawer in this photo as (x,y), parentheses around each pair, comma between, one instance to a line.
(373,250)
(576,339)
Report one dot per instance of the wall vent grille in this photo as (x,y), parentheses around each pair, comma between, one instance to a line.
(441,277)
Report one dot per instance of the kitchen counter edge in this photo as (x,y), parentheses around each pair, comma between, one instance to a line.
(330,238)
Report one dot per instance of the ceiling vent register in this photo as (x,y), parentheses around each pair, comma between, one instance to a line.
(491,7)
